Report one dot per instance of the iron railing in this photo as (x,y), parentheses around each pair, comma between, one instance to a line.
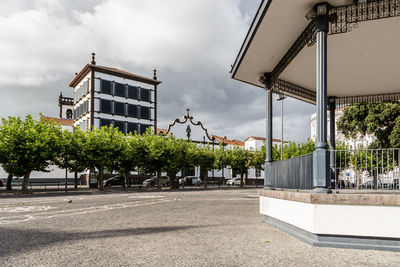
(377,169)
(294,173)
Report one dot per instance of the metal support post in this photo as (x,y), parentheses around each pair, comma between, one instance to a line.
(321,169)
(268,87)
(332,137)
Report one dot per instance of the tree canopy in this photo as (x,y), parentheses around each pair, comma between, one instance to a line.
(380,119)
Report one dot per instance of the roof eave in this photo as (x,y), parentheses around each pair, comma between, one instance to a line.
(262,9)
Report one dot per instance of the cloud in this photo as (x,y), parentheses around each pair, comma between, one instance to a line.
(191,43)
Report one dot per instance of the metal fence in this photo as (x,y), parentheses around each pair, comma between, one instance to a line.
(294,173)
(376,169)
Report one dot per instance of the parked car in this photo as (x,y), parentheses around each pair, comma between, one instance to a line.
(234,181)
(116,180)
(195,180)
(153,181)
(1,182)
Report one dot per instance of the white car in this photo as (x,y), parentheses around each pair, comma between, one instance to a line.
(233,181)
(195,180)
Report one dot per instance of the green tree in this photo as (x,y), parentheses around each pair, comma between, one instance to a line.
(180,154)
(380,119)
(205,158)
(156,155)
(32,145)
(72,156)
(101,147)
(132,155)
(240,161)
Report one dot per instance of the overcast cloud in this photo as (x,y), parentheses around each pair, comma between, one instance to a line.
(191,43)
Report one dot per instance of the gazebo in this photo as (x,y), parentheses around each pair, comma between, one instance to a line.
(329,54)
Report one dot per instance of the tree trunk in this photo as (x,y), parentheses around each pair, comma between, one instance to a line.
(25,183)
(246,177)
(241,180)
(75,180)
(171,177)
(205,177)
(9,180)
(125,179)
(159,180)
(100,181)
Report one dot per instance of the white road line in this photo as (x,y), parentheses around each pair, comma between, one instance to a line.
(80,211)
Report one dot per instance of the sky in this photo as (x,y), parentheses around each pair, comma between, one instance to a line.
(191,43)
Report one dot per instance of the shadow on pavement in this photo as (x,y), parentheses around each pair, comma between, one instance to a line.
(13,241)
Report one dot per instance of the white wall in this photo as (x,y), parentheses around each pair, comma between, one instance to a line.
(350,220)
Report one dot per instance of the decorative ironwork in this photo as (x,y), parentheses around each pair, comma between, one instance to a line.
(349,16)
(287,88)
(188,131)
(189,118)
(342,101)
(307,37)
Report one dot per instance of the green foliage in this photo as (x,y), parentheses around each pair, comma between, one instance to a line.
(101,147)
(28,145)
(205,158)
(380,119)
(240,161)
(179,153)
(258,159)
(293,149)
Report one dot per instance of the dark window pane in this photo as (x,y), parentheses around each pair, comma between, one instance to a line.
(132,127)
(105,87)
(143,128)
(119,108)
(145,94)
(132,92)
(132,111)
(120,89)
(104,122)
(105,106)
(120,125)
(145,113)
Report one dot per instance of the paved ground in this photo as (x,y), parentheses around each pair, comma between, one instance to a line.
(195,228)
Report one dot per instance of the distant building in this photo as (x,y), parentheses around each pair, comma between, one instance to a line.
(104,96)
(360,140)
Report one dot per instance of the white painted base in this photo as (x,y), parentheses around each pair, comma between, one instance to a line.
(343,220)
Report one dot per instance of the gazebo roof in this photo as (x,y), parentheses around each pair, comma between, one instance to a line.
(363,50)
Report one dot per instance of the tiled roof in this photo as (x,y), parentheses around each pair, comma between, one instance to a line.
(263,139)
(111,71)
(64,122)
(162,131)
(228,141)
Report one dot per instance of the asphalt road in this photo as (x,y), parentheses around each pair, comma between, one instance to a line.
(194,228)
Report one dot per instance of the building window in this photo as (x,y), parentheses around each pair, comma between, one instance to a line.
(132,92)
(132,128)
(105,87)
(145,94)
(132,111)
(143,128)
(120,125)
(80,110)
(145,113)
(120,89)
(105,106)
(119,108)
(104,122)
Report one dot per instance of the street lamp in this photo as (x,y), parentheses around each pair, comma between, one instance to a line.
(281,98)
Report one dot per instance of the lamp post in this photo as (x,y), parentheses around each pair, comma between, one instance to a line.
(281,98)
